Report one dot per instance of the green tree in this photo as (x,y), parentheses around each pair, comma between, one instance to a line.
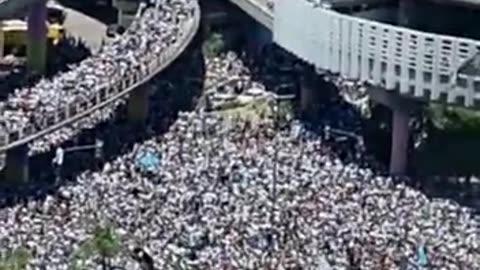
(104,244)
(214,45)
(15,260)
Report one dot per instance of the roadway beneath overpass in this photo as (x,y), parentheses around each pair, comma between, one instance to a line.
(89,29)
(11,8)
(257,9)
(37,29)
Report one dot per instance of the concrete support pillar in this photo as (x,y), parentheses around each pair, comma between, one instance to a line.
(126,11)
(138,106)
(17,165)
(2,40)
(37,37)
(306,96)
(205,24)
(401,108)
(119,17)
(400,136)
(258,37)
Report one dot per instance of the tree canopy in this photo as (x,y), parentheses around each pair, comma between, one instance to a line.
(104,244)
(213,45)
(15,260)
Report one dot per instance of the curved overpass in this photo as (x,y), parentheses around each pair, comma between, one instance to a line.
(106,95)
(417,64)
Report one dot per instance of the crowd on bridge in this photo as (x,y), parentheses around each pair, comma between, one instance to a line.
(150,35)
(13,72)
(240,194)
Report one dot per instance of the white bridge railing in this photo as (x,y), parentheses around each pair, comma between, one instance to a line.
(106,95)
(414,63)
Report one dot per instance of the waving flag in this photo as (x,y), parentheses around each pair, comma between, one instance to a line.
(147,160)
(422,259)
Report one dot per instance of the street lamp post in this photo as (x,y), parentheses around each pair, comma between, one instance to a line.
(157,9)
(60,154)
(329,130)
(204,134)
(277,100)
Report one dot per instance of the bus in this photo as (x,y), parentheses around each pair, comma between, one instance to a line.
(13,33)
(13,36)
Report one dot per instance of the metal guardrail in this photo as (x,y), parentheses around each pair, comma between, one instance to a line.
(115,90)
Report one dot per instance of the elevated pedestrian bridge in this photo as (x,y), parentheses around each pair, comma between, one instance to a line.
(416,64)
(106,95)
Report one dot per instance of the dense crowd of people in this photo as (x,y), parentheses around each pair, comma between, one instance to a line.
(246,196)
(153,32)
(236,193)
(239,194)
(13,72)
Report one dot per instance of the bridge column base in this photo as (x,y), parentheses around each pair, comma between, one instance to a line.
(126,11)
(400,136)
(306,96)
(17,165)
(2,40)
(401,108)
(258,37)
(138,106)
(37,37)
(205,28)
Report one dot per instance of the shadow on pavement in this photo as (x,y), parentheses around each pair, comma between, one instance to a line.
(104,13)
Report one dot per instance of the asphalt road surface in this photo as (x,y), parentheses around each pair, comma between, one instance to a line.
(91,30)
